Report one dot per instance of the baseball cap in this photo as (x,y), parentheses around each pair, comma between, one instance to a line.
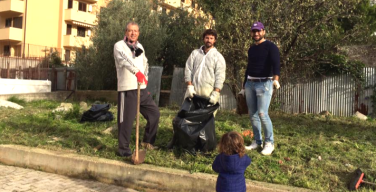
(257,26)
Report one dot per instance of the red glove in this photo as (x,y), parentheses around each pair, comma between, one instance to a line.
(141,78)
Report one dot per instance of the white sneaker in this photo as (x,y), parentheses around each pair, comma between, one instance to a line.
(268,148)
(252,146)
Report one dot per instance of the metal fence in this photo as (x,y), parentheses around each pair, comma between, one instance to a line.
(339,95)
(63,79)
(38,68)
(20,68)
(154,85)
(27,61)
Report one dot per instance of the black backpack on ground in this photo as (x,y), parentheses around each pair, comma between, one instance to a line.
(98,112)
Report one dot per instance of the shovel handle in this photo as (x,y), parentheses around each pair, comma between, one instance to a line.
(369,183)
(137,120)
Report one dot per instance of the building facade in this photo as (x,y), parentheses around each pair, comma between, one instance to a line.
(30,28)
(37,28)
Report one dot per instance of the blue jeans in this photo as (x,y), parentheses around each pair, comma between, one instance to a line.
(258,96)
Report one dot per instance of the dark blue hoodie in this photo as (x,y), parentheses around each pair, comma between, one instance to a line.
(231,172)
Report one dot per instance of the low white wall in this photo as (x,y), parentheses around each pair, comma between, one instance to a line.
(12,86)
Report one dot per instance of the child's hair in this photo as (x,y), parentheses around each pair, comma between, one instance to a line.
(232,143)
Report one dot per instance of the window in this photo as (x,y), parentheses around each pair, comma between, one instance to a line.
(69,29)
(70,4)
(80,32)
(17,22)
(67,55)
(183,1)
(7,50)
(17,51)
(82,6)
(8,22)
(193,3)
(164,10)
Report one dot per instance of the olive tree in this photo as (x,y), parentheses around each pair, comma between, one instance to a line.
(184,34)
(96,65)
(308,33)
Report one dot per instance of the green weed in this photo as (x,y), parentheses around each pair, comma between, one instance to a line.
(312,151)
(17,100)
(73,114)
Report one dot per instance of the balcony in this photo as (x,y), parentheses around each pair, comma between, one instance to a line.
(75,41)
(11,34)
(12,7)
(79,16)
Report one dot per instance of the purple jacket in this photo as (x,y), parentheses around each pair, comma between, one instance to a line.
(231,172)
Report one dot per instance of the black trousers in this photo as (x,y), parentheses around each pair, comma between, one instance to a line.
(127,110)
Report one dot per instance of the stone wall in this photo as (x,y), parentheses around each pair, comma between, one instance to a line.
(15,86)
(58,96)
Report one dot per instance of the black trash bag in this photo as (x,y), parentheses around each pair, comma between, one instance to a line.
(98,112)
(194,127)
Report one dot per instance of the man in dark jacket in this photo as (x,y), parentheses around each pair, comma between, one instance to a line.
(262,74)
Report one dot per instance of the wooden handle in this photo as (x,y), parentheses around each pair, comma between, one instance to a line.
(369,183)
(137,119)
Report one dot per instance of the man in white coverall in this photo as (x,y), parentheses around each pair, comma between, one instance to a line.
(205,70)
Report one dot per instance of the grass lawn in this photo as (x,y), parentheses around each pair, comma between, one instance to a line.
(312,151)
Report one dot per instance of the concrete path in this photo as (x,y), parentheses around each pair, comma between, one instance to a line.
(142,177)
(15,179)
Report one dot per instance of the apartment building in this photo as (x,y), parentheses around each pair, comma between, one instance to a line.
(167,6)
(34,28)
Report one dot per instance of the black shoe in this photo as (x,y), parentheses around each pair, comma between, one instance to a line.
(124,154)
(170,145)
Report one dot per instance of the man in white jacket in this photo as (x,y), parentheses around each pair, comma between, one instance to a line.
(132,68)
(205,70)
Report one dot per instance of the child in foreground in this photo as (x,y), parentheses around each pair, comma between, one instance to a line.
(231,163)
